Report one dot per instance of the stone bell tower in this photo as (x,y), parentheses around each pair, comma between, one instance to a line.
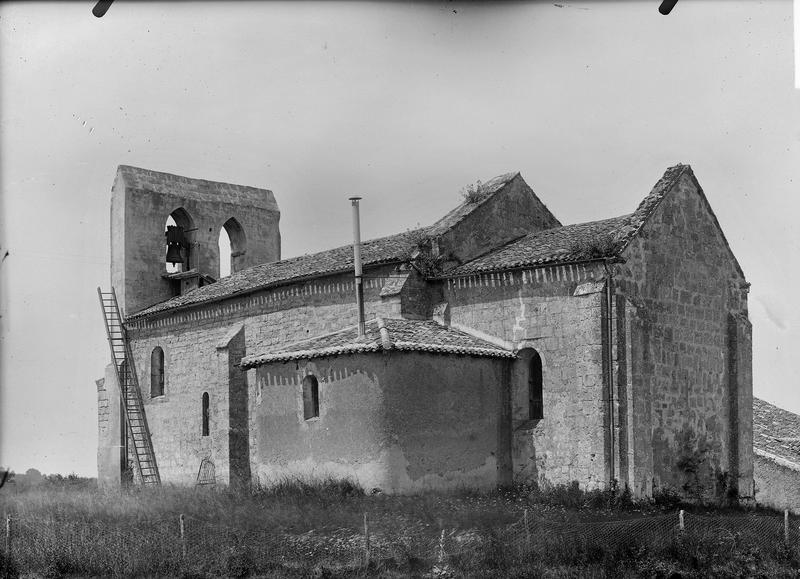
(144,203)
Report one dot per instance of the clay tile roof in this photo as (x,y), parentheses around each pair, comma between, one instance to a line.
(558,245)
(395,248)
(776,431)
(382,335)
(577,242)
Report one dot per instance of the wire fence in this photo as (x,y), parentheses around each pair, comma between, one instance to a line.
(185,545)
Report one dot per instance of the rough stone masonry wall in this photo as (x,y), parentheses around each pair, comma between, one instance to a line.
(538,309)
(398,421)
(777,482)
(690,350)
(138,218)
(199,348)
(193,364)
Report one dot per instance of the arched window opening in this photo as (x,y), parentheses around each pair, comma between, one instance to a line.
(157,372)
(205,413)
(178,236)
(224,253)
(310,397)
(232,246)
(535,397)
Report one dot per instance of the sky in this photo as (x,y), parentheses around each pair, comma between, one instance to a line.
(401,103)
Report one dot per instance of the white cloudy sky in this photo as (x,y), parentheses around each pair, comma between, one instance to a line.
(400,103)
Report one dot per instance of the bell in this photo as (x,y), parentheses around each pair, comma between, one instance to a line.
(174,254)
(174,234)
(175,241)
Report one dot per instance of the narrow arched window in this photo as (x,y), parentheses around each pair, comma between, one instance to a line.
(157,372)
(535,397)
(205,413)
(310,397)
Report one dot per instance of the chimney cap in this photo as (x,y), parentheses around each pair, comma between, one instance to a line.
(355,198)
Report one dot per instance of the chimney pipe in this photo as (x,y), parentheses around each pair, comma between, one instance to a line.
(357,264)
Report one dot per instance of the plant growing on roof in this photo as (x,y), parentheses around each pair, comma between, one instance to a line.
(602,245)
(473,193)
(423,258)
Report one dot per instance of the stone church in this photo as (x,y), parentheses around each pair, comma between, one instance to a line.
(497,345)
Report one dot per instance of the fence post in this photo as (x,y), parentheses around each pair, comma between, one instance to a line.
(8,535)
(366,541)
(527,530)
(786,526)
(680,520)
(183,537)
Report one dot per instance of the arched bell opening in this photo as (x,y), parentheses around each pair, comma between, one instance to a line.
(232,247)
(179,236)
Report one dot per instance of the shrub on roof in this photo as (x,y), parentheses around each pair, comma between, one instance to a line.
(602,245)
(474,192)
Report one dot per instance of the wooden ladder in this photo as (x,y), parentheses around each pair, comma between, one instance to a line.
(122,358)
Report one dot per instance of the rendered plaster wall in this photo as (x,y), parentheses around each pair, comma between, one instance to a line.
(690,350)
(538,309)
(138,217)
(777,482)
(201,348)
(401,422)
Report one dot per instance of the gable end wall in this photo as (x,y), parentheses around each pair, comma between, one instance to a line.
(690,349)
(512,212)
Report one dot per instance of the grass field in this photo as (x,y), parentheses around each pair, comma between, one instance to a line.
(67,527)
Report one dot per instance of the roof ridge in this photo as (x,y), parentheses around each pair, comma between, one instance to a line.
(364,242)
(657,194)
(328,334)
(418,335)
